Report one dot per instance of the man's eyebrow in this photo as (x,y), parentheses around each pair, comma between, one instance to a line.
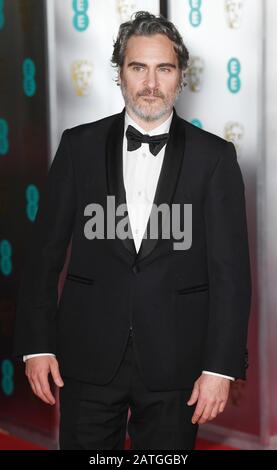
(141,64)
(167,64)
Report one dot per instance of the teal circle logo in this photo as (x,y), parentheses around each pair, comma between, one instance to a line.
(80,18)
(7,382)
(32,200)
(197,123)
(5,257)
(29,81)
(234,81)
(2,14)
(4,137)
(195,16)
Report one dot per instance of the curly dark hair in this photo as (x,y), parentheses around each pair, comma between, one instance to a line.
(147,24)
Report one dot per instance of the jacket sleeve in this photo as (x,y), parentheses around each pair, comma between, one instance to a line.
(229,268)
(44,258)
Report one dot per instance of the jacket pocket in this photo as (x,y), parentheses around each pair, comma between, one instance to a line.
(81,279)
(192,289)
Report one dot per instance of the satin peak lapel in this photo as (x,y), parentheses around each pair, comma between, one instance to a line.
(167,181)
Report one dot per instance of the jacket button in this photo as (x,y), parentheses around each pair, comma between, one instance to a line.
(135,269)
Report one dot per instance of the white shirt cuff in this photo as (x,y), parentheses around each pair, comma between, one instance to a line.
(35,355)
(219,375)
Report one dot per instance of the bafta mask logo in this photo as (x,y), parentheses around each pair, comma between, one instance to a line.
(233,10)
(234,132)
(195,73)
(81,73)
(125,9)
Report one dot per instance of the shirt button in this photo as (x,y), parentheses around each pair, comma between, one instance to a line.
(144,155)
(137,230)
(139,193)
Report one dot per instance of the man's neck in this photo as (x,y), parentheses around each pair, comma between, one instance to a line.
(147,125)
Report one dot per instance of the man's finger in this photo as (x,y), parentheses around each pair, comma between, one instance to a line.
(214,412)
(32,385)
(54,367)
(40,392)
(194,396)
(36,388)
(45,388)
(222,406)
(206,415)
(198,412)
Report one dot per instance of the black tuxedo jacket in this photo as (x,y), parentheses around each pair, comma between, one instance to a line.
(189,308)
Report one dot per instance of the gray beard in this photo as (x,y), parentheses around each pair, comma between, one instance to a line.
(146,116)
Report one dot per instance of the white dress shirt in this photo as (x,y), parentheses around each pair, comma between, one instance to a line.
(141,171)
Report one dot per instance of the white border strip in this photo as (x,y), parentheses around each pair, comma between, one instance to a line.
(262,261)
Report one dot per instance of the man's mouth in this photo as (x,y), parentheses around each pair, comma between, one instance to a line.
(151,98)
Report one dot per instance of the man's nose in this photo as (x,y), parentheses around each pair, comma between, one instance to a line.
(151,79)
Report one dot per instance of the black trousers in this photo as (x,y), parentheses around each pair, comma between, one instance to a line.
(95,416)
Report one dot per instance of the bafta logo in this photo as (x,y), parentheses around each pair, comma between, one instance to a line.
(234,132)
(233,9)
(81,74)
(125,9)
(195,73)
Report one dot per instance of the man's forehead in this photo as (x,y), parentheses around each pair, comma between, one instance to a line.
(140,48)
(154,40)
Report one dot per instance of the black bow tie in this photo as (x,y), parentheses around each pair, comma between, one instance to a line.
(136,138)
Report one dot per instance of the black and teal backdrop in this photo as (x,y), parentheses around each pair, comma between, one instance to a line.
(23,166)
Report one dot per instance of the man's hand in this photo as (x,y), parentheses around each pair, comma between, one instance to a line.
(211,394)
(37,370)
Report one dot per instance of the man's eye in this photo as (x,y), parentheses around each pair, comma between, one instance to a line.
(165,69)
(137,68)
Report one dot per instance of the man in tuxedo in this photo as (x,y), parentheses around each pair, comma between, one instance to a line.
(140,325)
